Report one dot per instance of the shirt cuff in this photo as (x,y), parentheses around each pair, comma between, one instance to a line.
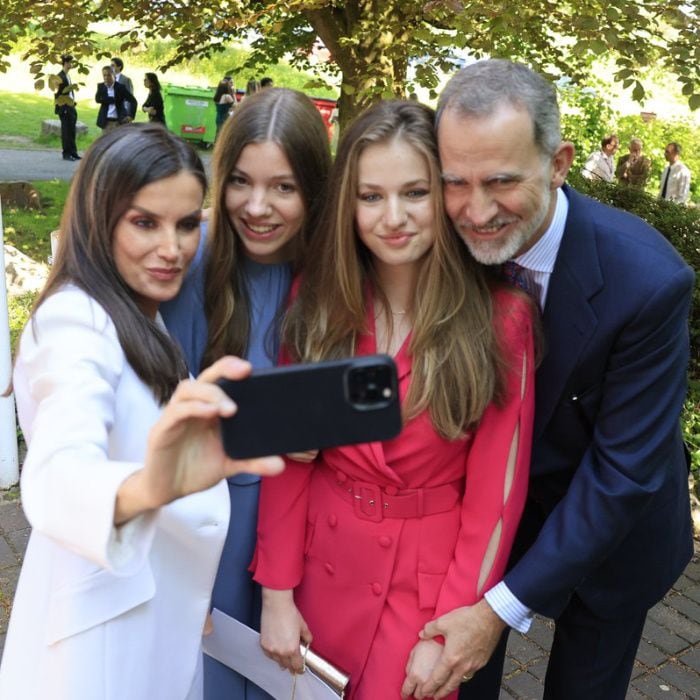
(509,608)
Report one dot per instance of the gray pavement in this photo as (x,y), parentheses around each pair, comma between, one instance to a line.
(44,164)
(39,164)
(667,665)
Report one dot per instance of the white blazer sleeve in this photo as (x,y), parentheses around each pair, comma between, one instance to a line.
(66,379)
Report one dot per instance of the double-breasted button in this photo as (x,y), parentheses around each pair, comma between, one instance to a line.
(333,520)
(385,541)
(391,490)
(330,570)
(377,588)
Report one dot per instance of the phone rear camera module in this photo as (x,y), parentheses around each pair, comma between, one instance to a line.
(370,387)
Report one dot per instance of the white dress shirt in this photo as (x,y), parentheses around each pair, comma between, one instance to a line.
(678,186)
(111,107)
(538,263)
(599,167)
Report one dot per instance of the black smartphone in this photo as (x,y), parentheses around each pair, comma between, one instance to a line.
(312,406)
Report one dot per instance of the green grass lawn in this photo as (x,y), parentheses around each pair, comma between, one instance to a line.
(21,115)
(29,231)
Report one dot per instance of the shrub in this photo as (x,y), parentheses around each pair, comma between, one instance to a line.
(681,226)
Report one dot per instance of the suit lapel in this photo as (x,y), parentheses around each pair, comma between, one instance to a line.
(569,320)
(373,452)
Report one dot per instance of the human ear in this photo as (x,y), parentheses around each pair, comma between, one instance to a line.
(561,162)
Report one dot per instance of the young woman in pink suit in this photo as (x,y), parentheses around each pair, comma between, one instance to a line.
(362,547)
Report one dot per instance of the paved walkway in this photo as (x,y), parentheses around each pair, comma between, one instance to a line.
(667,665)
(45,164)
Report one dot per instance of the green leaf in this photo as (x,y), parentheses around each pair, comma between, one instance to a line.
(638,92)
(694,102)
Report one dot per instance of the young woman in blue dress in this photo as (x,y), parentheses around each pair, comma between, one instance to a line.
(270,167)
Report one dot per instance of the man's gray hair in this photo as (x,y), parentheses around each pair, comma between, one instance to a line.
(481,88)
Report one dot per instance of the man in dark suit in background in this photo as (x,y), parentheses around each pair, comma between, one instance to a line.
(113,100)
(64,107)
(119,77)
(606,529)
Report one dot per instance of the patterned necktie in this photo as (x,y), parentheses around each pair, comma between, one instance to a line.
(517,276)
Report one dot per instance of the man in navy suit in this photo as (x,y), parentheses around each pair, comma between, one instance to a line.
(606,529)
(113,99)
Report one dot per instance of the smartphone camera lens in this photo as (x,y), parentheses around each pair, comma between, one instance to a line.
(370,387)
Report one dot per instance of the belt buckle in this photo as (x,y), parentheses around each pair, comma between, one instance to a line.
(367,501)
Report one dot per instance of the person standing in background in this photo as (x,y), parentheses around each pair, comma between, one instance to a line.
(225,101)
(153,106)
(675,179)
(600,165)
(64,107)
(118,67)
(633,168)
(252,86)
(112,98)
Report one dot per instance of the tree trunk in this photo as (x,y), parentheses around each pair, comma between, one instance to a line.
(371,58)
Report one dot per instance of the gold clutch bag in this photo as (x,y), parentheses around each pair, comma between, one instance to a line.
(332,676)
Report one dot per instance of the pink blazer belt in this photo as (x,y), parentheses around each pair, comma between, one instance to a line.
(372,502)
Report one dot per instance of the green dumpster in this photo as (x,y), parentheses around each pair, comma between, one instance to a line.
(190,112)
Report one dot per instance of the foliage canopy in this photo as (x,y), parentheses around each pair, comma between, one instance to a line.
(372,42)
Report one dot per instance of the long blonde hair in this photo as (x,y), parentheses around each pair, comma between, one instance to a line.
(453,347)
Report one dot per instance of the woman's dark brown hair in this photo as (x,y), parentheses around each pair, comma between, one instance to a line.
(111,173)
(290,120)
(223,88)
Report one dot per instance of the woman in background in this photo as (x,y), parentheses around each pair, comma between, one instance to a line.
(252,86)
(123,479)
(153,106)
(225,101)
(363,547)
(270,166)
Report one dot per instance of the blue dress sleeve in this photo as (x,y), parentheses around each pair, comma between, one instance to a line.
(184,315)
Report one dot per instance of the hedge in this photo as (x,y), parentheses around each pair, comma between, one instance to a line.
(681,226)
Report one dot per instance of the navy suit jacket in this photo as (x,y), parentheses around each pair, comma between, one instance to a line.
(608,514)
(121,95)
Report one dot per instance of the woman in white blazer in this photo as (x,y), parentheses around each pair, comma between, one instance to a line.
(125,496)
